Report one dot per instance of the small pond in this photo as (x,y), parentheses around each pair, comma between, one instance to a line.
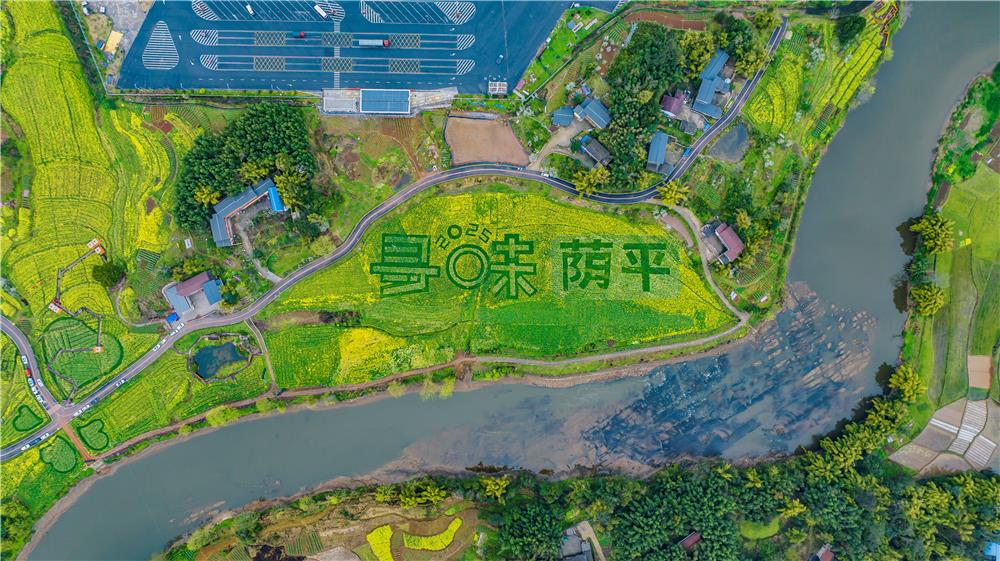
(213,358)
(732,145)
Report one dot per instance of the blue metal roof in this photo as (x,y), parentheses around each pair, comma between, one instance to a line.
(658,149)
(275,199)
(715,65)
(563,116)
(213,291)
(231,204)
(594,111)
(385,101)
(177,302)
(707,109)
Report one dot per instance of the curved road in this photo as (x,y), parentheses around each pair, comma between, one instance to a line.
(61,415)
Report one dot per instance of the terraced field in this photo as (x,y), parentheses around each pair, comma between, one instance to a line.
(95,170)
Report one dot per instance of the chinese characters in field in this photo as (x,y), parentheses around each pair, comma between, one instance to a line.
(507,265)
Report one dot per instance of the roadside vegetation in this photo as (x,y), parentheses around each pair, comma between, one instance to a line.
(954,273)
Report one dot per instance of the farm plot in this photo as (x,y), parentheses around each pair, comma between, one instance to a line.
(95,170)
(20,413)
(481,140)
(775,102)
(164,393)
(967,324)
(466,304)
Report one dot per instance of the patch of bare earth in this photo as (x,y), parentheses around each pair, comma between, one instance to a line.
(677,21)
(480,140)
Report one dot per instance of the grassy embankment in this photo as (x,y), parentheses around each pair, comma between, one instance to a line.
(967,193)
(798,106)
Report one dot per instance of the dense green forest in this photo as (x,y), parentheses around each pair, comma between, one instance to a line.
(269,139)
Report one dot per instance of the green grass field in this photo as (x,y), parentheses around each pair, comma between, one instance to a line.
(164,393)
(538,317)
(20,413)
(968,323)
(561,42)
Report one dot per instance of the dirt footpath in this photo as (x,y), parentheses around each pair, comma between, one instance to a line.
(480,140)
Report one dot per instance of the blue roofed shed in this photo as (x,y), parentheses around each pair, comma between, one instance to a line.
(276,204)
(563,117)
(177,302)
(594,112)
(213,291)
(656,161)
(392,102)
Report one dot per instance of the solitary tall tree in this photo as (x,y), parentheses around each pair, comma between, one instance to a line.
(907,383)
(927,298)
(935,232)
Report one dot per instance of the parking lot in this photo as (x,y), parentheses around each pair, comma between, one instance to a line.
(287,44)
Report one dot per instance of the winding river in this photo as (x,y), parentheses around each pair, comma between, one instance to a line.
(795,379)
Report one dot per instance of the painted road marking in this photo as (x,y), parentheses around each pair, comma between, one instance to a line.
(160,52)
(427,13)
(203,10)
(266,10)
(290,38)
(243,63)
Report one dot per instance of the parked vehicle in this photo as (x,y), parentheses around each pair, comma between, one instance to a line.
(249,9)
(320,11)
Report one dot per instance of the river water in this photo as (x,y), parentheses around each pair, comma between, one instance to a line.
(797,377)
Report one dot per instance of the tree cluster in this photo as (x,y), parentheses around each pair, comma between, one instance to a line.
(649,66)
(848,27)
(269,139)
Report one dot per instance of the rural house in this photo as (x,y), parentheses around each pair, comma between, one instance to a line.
(595,150)
(194,297)
(594,112)
(731,243)
(824,554)
(712,83)
(574,547)
(656,161)
(563,117)
(690,541)
(222,231)
(671,105)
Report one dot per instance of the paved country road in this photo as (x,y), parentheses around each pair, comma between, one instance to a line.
(61,415)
